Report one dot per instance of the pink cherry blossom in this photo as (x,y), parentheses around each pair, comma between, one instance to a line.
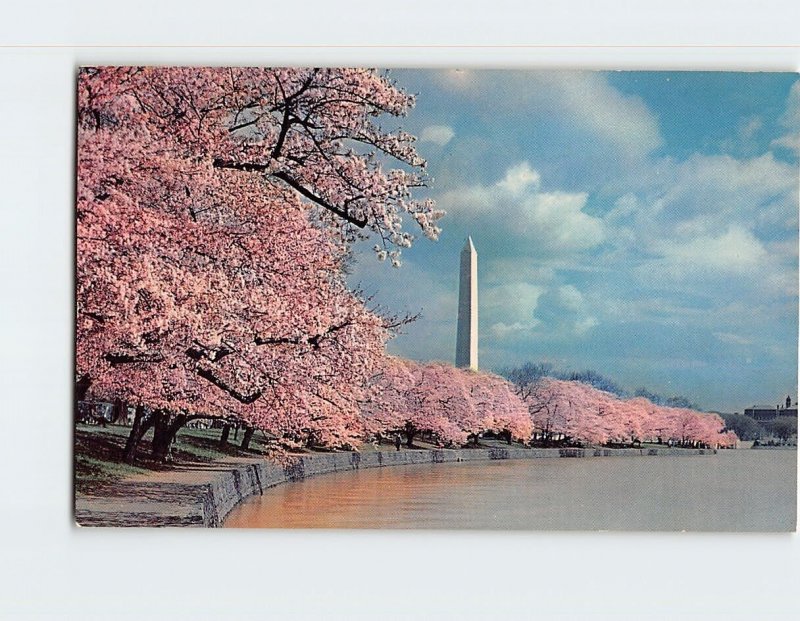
(436,398)
(210,291)
(586,414)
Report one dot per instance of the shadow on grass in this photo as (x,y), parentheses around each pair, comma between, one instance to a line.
(98,460)
(104,446)
(207,448)
(99,450)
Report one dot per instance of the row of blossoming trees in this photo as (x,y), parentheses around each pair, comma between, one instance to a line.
(215,211)
(576,411)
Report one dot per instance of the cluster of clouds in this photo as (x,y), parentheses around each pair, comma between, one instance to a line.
(704,243)
(437,134)
(791,122)
(583,100)
(517,211)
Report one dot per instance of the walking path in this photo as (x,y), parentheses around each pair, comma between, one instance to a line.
(160,498)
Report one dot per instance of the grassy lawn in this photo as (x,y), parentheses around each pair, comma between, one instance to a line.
(98,452)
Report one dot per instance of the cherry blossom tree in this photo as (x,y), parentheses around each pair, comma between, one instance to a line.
(425,398)
(207,290)
(449,404)
(385,407)
(316,131)
(498,407)
(547,407)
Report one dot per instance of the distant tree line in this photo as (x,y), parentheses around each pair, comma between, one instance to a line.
(530,372)
(783,427)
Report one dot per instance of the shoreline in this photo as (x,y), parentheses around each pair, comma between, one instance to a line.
(203,496)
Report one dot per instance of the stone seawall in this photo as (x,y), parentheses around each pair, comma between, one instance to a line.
(255,478)
(204,497)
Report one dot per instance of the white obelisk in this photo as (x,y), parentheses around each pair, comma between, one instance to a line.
(467,337)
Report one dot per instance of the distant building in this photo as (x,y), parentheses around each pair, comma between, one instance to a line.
(761,412)
(770,412)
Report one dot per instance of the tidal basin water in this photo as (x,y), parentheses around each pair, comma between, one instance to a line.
(741,490)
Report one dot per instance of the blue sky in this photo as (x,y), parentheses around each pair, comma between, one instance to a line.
(642,224)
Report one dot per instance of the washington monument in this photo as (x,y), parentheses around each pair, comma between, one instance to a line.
(467,337)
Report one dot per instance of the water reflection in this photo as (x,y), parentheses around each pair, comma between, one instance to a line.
(734,490)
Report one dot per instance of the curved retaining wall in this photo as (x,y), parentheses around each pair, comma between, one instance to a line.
(206,497)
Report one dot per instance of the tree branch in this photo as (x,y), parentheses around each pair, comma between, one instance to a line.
(342,213)
(293,183)
(222,385)
(313,340)
(117,359)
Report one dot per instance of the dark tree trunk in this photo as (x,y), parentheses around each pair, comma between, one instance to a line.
(160,446)
(140,426)
(81,387)
(226,432)
(119,412)
(509,438)
(411,432)
(248,435)
(235,432)
(166,426)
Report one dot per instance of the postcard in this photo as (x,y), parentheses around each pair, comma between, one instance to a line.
(436,299)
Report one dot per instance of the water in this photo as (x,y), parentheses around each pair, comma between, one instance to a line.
(744,490)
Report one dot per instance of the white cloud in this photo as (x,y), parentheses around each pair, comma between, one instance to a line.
(791,121)
(502,331)
(704,193)
(551,223)
(729,187)
(736,251)
(573,303)
(745,140)
(510,306)
(711,216)
(790,142)
(761,174)
(570,297)
(564,313)
(582,326)
(625,206)
(584,101)
(437,134)
(732,263)
(558,220)
(520,177)
(697,234)
(733,339)
(791,117)
(749,127)
(622,120)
